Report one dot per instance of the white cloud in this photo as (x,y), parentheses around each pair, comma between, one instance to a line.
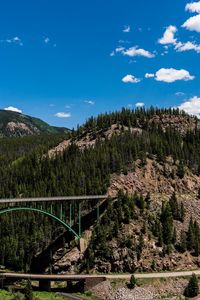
(139,104)
(193,23)
(89,102)
(135,51)
(119,49)
(46,40)
(193,7)
(124,42)
(15,109)
(191,106)
(63,115)
(168,36)
(127,28)
(179,94)
(181,47)
(171,75)
(15,40)
(130,79)
(149,75)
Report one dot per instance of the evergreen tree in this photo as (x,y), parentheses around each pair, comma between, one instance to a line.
(181,170)
(190,235)
(132,283)
(198,194)
(28,291)
(192,289)
(167,224)
(183,241)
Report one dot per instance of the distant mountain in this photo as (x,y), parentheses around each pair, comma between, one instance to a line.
(13,124)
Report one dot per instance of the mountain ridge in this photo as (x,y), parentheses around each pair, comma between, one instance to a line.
(14,124)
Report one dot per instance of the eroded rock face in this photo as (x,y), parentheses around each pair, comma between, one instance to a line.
(89,139)
(154,177)
(19,128)
(179,123)
(68,260)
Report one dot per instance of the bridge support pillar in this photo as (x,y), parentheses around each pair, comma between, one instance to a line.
(45,285)
(2,282)
(69,286)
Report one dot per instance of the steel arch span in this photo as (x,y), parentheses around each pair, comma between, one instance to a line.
(15,209)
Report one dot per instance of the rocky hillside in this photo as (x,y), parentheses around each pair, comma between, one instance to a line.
(14,124)
(156,177)
(131,241)
(88,134)
(147,154)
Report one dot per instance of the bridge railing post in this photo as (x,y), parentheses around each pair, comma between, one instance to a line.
(98,213)
(79,218)
(61,211)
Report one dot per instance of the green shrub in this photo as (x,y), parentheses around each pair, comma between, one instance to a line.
(133,282)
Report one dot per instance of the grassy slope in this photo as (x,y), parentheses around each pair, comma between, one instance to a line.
(4,295)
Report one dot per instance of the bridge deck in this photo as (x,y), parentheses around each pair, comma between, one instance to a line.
(45,199)
(56,277)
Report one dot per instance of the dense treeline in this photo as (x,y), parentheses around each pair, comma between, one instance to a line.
(12,149)
(26,171)
(86,172)
(130,118)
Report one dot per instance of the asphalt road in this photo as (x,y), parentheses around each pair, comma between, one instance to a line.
(69,296)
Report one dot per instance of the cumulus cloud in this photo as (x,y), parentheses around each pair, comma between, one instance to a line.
(168,36)
(63,115)
(172,75)
(193,23)
(181,47)
(149,75)
(127,28)
(130,79)
(15,109)
(133,51)
(193,7)
(191,106)
(89,102)
(139,104)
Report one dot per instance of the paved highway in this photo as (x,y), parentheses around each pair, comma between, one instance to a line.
(111,276)
(69,296)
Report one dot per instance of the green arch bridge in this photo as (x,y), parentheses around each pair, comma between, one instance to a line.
(49,206)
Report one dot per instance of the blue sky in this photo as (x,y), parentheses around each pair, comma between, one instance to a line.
(63,61)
